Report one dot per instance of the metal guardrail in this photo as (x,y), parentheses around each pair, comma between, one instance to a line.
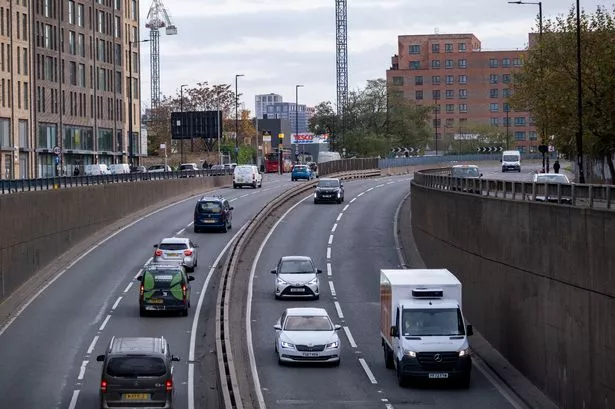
(346,165)
(65,182)
(431,160)
(231,395)
(577,195)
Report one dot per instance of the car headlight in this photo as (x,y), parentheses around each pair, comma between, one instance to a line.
(465,352)
(411,354)
(313,281)
(286,345)
(339,193)
(281,282)
(333,345)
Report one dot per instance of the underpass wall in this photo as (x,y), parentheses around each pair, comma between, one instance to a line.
(538,282)
(37,227)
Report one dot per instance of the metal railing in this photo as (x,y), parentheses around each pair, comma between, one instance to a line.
(573,194)
(64,182)
(432,160)
(346,165)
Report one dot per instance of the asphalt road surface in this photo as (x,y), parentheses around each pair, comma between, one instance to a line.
(48,353)
(350,242)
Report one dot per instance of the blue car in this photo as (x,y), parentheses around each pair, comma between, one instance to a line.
(301,172)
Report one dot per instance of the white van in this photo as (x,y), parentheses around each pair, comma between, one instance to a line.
(328,156)
(98,169)
(118,168)
(511,160)
(247,175)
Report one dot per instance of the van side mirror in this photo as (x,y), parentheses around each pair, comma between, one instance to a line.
(469,330)
(190,278)
(175,358)
(277,327)
(155,246)
(481,175)
(139,278)
(100,358)
(274,271)
(394,332)
(318,271)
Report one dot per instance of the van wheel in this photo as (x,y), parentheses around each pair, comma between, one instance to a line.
(401,379)
(388,358)
(464,383)
(184,312)
(196,229)
(142,312)
(234,186)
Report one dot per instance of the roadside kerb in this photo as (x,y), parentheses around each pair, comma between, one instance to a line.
(230,390)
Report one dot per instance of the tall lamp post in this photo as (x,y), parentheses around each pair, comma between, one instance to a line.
(218,122)
(436,109)
(130,132)
(237,118)
(507,107)
(181,124)
(579,100)
(297,118)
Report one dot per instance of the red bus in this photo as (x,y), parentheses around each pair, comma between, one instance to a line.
(272,161)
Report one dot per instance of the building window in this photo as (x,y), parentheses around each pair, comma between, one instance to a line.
(25,61)
(493,93)
(5,133)
(450,108)
(47,36)
(506,93)
(463,107)
(47,8)
(461,47)
(418,80)
(100,22)
(435,63)
(71,12)
(435,94)
(494,121)
(71,43)
(520,121)
(80,15)
(506,107)
(532,135)
(494,107)
(398,80)
(463,93)
(414,49)
(462,63)
(448,48)
(493,78)
(26,96)
(517,62)
(506,120)
(449,64)
(520,135)
(418,95)
(24,27)
(505,62)
(81,75)
(117,32)
(450,94)
(23,134)
(463,79)
(506,78)
(450,122)
(118,4)
(450,79)
(435,80)
(493,63)
(80,45)
(414,65)
(133,9)
(435,48)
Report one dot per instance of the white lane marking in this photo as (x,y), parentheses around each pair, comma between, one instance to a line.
(386,403)
(257,383)
(330,239)
(360,194)
(104,324)
(339,216)
(346,207)
(328,253)
(138,273)
(498,385)
(332,288)
(180,232)
(82,370)
(350,337)
(390,183)
(244,195)
(369,190)
(400,254)
(338,308)
(73,400)
(92,345)
(368,371)
(128,287)
(353,199)
(333,228)
(190,224)
(149,260)
(117,302)
(195,319)
(380,185)
(233,199)
(329,271)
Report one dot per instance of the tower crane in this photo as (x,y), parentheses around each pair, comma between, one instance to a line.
(157,18)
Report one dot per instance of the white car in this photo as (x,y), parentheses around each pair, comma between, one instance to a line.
(307,335)
(176,249)
(247,175)
(552,178)
(296,276)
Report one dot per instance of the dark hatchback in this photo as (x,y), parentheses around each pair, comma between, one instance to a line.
(212,213)
(329,190)
(164,288)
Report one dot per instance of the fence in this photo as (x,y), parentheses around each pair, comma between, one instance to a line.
(345,165)
(431,160)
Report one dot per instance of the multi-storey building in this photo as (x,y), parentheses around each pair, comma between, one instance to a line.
(464,84)
(65,85)
(286,110)
(263,100)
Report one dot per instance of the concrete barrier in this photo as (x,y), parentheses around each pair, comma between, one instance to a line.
(539,284)
(37,227)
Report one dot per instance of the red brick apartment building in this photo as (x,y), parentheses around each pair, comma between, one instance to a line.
(465,85)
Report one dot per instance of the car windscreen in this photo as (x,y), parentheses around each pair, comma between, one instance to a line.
(510,158)
(465,172)
(156,167)
(209,207)
(186,167)
(172,246)
(307,323)
(328,183)
(551,179)
(296,267)
(161,279)
(133,366)
(432,322)
(300,168)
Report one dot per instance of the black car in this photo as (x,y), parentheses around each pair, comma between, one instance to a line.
(329,190)
(212,212)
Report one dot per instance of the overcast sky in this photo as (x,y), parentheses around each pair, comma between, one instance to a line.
(277,44)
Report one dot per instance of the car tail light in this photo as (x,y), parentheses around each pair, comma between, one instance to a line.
(187,252)
(103,386)
(158,253)
(184,291)
(141,289)
(169,385)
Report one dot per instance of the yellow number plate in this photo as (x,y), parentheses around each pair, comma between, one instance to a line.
(135,396)
(155,301)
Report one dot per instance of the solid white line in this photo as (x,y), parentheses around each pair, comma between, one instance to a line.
(73,400)
(350,337)
(497,384)
(180,232)
(104,324)
(328,253)
(370,189)
(92,345)
(380,185)
(190,224)
(195,319)
(360,194)
(128,287)
(330,239)
(257,383)
(332,288)
(329,272)
(333,228)
(116,303)
(346,207)
(233,199)
(82,370)
(353,200)
(338,308)
(400,255)
(339,216)
(138,273)
(368,371)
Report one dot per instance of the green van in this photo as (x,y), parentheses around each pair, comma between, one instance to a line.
(164,288)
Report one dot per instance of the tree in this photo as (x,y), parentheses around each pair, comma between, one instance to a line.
(547,82)
(323,119)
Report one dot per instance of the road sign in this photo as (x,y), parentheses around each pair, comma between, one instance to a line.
(57,150)
(196,124)
(163,146)
(57,160)
(281,135)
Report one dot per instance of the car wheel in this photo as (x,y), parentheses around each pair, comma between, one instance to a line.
(184,312)
(317,296)
(339,201)
(142,312)
(254,185)
(337,363)
(315,201)
(196,229)
(234,186)
(277,297)
(280,362)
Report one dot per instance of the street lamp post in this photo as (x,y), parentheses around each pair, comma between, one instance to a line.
(507,124)
(130,131)
(297,118)
(436,109)
(218,123)
(237,118)
(181,124)
(579,100)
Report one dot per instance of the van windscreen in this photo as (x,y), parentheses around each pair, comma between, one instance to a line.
(510,158)
(209,207)
(134,366)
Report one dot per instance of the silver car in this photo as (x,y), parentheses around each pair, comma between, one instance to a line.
(296,276)
(176,250)
(307,335)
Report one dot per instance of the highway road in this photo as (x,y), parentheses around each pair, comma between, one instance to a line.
(48,353)
(350,242)
(529,168)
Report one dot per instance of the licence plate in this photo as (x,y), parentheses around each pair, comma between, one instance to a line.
(438,376)
(155,301)
(135,396)
(297,290)
(310,354)
(210,221)
(172,254)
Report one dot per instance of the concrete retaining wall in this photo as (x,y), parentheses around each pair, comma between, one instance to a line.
(37,227)
(539,284)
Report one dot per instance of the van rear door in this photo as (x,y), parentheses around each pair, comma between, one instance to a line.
(136,380)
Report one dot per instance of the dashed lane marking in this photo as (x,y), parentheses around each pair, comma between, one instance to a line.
(128,287)
(73,400)
(346,207)
(338,308)
(92,345)
(104,324)
(339,216)
(368,371)
(330,239)
(350,337)
(328,253)
(329,271)
(117,302)
(82,370)
(333,228)
(332,288)
(353,200)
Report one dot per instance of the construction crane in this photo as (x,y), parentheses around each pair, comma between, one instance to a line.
(157,18)
(341,59)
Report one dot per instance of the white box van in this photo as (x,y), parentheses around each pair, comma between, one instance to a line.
(118,168)
(511,160)
(98,169)
(424,334)
(247,175)
(328,156)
